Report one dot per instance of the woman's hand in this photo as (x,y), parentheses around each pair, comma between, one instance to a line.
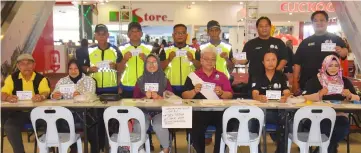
(323,92)
(156,96)
(148,94)
(57,95)
(76,93)
(346,93)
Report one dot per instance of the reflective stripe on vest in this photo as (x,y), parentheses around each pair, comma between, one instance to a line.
(134,68)
(105,77)
(178,70)
(221,64)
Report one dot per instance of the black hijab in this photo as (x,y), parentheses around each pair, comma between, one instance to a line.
(76,79)
(155,77)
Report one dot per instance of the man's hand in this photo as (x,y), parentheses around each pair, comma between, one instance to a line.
(37,98)
(12,99)
(127,56)
(142,56)
(171,56)
(262,98)
(224,55)
(113,65)
(93,69)
(190,56)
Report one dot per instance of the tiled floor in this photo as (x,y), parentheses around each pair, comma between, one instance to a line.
(182,145)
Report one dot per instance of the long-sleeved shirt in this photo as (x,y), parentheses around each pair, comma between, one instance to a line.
(85,85)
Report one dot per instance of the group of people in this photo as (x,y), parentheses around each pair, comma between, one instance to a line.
(134,71)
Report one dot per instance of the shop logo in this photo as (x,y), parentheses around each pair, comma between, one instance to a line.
(149,17)
(306,6)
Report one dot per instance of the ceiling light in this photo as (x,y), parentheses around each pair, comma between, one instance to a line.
(288,21)
(101,3)
(193,3)
(290,13)
(107,1)
(209,0)
(241,3)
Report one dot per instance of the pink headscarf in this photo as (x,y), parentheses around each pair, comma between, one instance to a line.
(325,78)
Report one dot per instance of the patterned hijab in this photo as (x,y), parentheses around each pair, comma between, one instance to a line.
(326,78)
(155,77)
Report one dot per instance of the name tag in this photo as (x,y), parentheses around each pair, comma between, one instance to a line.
(328,47)
(67,88)
(240,56)
(135,52)
(180,53)
(334,88)
(24,95)
(273,94)
(219,50)
(103,65)
(208,86)
(151,87)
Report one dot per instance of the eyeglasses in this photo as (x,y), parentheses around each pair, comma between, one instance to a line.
(180,33)
(152,63)
(209,60)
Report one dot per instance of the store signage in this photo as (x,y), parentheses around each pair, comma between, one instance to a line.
(148,17)
(306,6)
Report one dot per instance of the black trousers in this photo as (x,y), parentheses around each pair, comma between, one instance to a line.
(201,120)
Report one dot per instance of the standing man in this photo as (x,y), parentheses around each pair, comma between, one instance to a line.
(257,47)
(103,60)
(132,65)
(81,53)
(32,84)
(224,50)
(178,60)
(101,64)
(313,50)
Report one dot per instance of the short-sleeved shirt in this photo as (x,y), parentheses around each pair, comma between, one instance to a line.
(310,57)
(217,77)
(313,85)
(27,85)
(262,83)
(256,49)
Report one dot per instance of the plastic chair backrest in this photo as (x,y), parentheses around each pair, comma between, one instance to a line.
(51,114)
(316,114)
(123,114)
(243,114)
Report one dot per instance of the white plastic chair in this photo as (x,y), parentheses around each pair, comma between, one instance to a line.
(243,137)
(124,138)
(313,138)
(52,138)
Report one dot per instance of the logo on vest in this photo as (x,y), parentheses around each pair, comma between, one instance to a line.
(216,77)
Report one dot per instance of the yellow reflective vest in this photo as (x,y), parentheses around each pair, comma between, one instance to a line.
(221,64)
(105,77)
(180,67)
(134,68)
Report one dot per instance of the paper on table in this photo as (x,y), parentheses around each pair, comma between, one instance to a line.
(151,87)
(67,88)
(177,117)
(328,47)
(209,94)
(335,88)
(273,94)
(24,95)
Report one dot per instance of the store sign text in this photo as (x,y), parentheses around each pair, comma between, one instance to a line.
(151,17)
(306,6)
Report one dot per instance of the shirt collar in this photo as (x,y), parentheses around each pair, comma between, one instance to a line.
(105,48)
(32,76)
(201,72)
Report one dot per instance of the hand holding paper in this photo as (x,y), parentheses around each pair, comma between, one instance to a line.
(218,90)
(24,95)
(151,87)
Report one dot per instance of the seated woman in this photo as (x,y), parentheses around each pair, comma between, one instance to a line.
(83,84)
(319,88)
(270,80)
(154,74)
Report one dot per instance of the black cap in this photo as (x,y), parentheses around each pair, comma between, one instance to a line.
(101,27)
(213,24)
(134,25)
